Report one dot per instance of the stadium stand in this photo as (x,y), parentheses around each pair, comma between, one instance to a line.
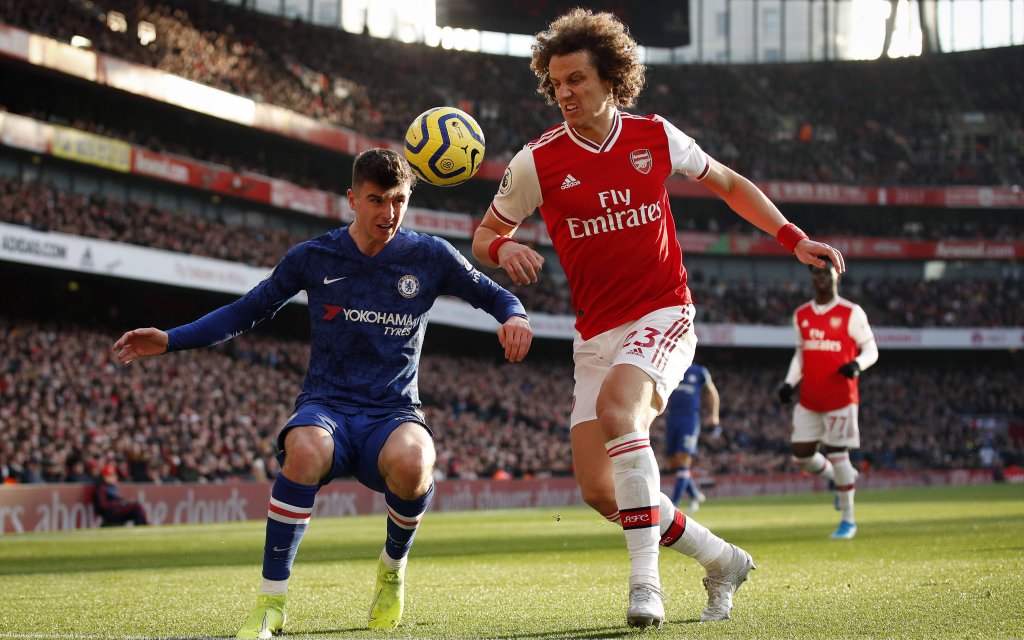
(794,121)
(210,416)
(67,408)
(895,302)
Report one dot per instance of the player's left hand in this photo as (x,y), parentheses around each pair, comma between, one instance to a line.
(515,336)
(808,251)
(851,369)
(520,262)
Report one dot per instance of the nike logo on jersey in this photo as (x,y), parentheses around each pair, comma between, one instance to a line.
(332,280)
(569,182)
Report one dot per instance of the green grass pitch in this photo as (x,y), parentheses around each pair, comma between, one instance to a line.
(927,563)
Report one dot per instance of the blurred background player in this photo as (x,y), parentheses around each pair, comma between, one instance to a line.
(598,179)
(371,286)
(834,344)
(682,430)
(110,505)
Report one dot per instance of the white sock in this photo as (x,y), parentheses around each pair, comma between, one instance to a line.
(695,540)
(817,465)
(391,563)
(274,587)
(846,479)
(637,481)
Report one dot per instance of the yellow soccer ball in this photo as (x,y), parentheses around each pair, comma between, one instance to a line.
(445,146)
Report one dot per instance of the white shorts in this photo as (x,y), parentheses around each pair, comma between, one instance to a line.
(832,428)
(661,344)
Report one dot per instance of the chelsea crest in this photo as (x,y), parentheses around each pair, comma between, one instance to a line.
(408,286)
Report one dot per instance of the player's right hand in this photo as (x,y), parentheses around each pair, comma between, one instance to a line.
(786,393)
(851,369)
(520,262)
(140,343)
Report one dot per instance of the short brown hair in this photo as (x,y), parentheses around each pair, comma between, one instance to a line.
(385,168)
(605,38)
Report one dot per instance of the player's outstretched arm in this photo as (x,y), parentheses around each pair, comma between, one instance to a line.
(515,336)
(140,343)
(753,205)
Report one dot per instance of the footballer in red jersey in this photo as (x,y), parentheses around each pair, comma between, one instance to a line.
(598,179)
(834,344)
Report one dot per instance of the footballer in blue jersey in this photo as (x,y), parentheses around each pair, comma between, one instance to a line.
(370,288)
(683,420)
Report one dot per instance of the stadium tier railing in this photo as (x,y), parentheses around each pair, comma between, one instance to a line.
(94,150)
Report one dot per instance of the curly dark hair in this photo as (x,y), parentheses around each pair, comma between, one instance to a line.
(383,167)
(605,38)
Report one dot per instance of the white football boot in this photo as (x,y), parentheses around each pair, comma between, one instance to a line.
(645,608)
(722,584)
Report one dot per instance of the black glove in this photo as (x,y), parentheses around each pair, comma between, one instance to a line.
(786,393)
(851,369)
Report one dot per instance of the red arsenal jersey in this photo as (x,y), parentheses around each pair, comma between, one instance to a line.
(829,336)
(607,212)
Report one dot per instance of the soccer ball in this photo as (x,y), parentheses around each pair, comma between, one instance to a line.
(445,146)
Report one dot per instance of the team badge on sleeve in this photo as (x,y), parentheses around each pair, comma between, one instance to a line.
(506,181)
(408,286)
(642,160)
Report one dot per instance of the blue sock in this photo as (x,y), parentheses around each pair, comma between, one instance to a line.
(682,483)
(291,505)
(404,518)
(691,486)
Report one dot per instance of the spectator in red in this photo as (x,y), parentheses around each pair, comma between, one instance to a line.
(111,505)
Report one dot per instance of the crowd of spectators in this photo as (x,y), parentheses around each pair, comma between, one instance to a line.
(949,119)
(913,416)
(888,302)
(994,302)
(95,215)
(67,409)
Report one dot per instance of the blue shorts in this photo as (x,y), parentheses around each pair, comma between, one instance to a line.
(358,438)
(681,434)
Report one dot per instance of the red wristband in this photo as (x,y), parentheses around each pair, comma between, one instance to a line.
(492,251)
(789,236)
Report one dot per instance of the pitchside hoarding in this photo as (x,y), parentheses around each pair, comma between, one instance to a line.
(41,508)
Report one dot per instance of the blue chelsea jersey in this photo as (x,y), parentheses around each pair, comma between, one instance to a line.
(687,396)
(368,314)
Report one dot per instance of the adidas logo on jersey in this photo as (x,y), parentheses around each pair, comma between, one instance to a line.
(569,182)
(636,352)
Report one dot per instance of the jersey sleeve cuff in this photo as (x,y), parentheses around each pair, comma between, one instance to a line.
(502,218)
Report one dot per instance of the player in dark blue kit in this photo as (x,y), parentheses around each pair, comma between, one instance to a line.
(370,287)
(682,418)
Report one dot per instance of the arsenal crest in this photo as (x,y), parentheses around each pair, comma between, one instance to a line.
(835,322)
(642,160)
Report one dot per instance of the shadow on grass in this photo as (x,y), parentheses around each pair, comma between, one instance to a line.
(422,631)
(171,552)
